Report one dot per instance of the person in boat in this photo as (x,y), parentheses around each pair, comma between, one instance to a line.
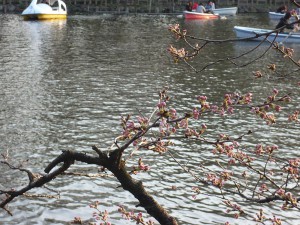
(210,6)
(284,23)
(195,6)
(201,8)
(282,9)
(295,12)
(189,6)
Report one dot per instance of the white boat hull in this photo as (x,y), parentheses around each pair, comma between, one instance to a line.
(247,32)
(277,16)
(226,11)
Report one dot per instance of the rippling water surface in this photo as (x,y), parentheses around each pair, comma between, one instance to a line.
(64,85)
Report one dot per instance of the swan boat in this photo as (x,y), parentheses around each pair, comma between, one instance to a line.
(48,9)
(197,15)
(247,32)
(226,11)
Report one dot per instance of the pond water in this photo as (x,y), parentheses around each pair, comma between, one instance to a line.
(65,84)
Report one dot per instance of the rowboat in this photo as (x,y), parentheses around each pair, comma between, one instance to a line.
(247,32)
(48,9)
(277,16)
(226,11)
(197,15)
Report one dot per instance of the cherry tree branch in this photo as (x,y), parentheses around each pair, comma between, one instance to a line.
(119,170)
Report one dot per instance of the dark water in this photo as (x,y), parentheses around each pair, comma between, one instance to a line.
(64,85)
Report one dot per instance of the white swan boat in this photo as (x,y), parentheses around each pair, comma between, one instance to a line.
(247,32)
(226,11)
(48,9)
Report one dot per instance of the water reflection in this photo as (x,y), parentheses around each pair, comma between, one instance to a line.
(64,85)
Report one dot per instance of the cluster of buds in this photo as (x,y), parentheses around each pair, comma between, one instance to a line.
(287,52)
(194,133)
(77,220)
(272,97)
(294,117)
(226,175)
(290,200)
(238,99)
(263,188)
(272,67)
(262,113)
(227,103)
(260,217)
(173,113)
(160,146)
(143,121)
(234,208)
(196,113)
(258,74)
(230,100)
(204,104)
(163,111)
(203,129)
(260,150)
(165,129)
(130,128)
(197,192)
(229,149)
(100,215)
(245,99)
(242,157)
(216,181)
(276,221)
(141,167)
(224,137)
(178,54)
(220,149)
(184,123)
(293,167)
(139,219)
(175,29)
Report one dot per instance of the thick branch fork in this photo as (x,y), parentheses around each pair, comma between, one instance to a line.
(67,158)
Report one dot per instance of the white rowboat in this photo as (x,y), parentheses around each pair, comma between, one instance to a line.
(226,11)
(277,16)
(247,32)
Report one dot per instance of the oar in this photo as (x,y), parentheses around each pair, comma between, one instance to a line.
(217,14)
(281,43)
(294,30)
